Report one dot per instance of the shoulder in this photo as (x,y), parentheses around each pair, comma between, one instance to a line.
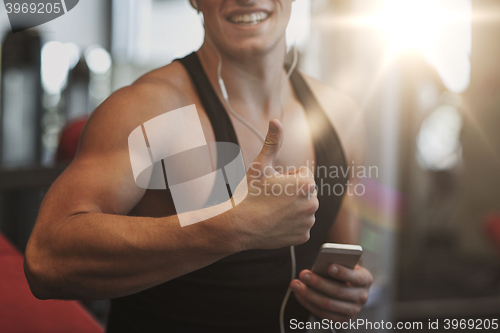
(159,91)
(345,116)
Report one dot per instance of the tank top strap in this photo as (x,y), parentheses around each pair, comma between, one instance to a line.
(327,143)
(221,123)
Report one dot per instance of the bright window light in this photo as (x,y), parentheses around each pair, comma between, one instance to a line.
(98,59)
(55,66)
(438,141)
(73,52)
(439,29)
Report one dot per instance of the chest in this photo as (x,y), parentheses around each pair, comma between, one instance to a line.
(297,148)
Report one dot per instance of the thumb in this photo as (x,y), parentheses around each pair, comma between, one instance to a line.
(272,144)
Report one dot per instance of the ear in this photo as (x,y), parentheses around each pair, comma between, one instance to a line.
(194,3)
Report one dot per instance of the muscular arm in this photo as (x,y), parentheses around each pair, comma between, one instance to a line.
(84,246)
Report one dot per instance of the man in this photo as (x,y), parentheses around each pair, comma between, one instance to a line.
(98,235)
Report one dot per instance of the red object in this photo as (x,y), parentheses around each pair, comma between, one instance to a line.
(21,312)
(493,228)
(68,143)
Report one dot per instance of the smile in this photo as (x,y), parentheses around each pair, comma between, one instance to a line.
(249,19)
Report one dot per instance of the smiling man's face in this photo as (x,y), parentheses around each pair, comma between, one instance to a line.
(244,27)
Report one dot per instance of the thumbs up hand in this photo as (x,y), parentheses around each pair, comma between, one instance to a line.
(279,208)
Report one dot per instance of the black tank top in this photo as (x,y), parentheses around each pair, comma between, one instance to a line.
(244,291)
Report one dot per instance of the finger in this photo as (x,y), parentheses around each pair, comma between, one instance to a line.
(304,179)
(306,172)
(357,277)
(324,302)
(320,313)
(301,172)
(335,289)
(291,171)
(272,144)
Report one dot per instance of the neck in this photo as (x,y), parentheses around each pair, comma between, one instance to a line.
(253,82)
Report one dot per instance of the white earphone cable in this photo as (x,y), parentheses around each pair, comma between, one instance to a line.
(225,97)
(288,291)
(262,138)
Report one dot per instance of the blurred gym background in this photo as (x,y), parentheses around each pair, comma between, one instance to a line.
(426,74)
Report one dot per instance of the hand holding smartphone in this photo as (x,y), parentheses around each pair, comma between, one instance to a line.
(331,253)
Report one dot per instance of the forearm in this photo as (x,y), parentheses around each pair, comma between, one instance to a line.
(96,256)
(347,226)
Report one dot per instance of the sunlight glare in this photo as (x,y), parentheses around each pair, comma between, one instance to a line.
(439,29)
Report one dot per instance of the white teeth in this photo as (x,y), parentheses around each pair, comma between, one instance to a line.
(249,19)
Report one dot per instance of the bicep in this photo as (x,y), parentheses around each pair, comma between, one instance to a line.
(99,183)
(100,178)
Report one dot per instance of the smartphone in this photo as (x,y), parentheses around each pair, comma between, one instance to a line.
(330,253)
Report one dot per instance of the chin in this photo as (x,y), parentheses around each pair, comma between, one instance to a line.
(252,47)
